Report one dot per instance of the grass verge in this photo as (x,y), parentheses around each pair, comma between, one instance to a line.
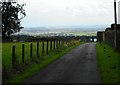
(108,63)
(18,79)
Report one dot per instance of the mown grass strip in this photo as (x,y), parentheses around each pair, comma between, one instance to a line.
(35,68)
(108,60)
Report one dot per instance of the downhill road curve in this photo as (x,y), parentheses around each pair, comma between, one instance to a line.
(77,66)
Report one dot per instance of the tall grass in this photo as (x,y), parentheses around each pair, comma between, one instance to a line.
(108,60)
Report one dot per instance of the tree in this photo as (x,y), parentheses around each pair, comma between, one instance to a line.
(12,13)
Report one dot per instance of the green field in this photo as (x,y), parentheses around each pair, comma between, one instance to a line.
(30,68)
(108,63)
(8,71)
(7,52)
(83,33)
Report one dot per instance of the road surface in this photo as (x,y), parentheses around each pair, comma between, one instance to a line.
(77,66)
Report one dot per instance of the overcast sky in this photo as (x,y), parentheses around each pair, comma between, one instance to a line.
(68,12)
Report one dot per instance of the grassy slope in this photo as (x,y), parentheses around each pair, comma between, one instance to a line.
(34,68)
(108,63)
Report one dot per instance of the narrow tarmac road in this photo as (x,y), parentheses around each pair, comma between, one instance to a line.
(77,66)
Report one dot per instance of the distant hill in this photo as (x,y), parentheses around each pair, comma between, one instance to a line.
(87,28)
(63,30)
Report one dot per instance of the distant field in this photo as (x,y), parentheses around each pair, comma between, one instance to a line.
(83,33)
(61,33)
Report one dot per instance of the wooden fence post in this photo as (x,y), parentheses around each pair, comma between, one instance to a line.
(63,43)
(13,58)
(47,47)
(23,53)
(37,50)
(59,42)
(54,44)
(43,48)
(50,44)
(31,47)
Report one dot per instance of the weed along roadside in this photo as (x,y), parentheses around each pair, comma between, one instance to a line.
(108,63)
(22,60)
